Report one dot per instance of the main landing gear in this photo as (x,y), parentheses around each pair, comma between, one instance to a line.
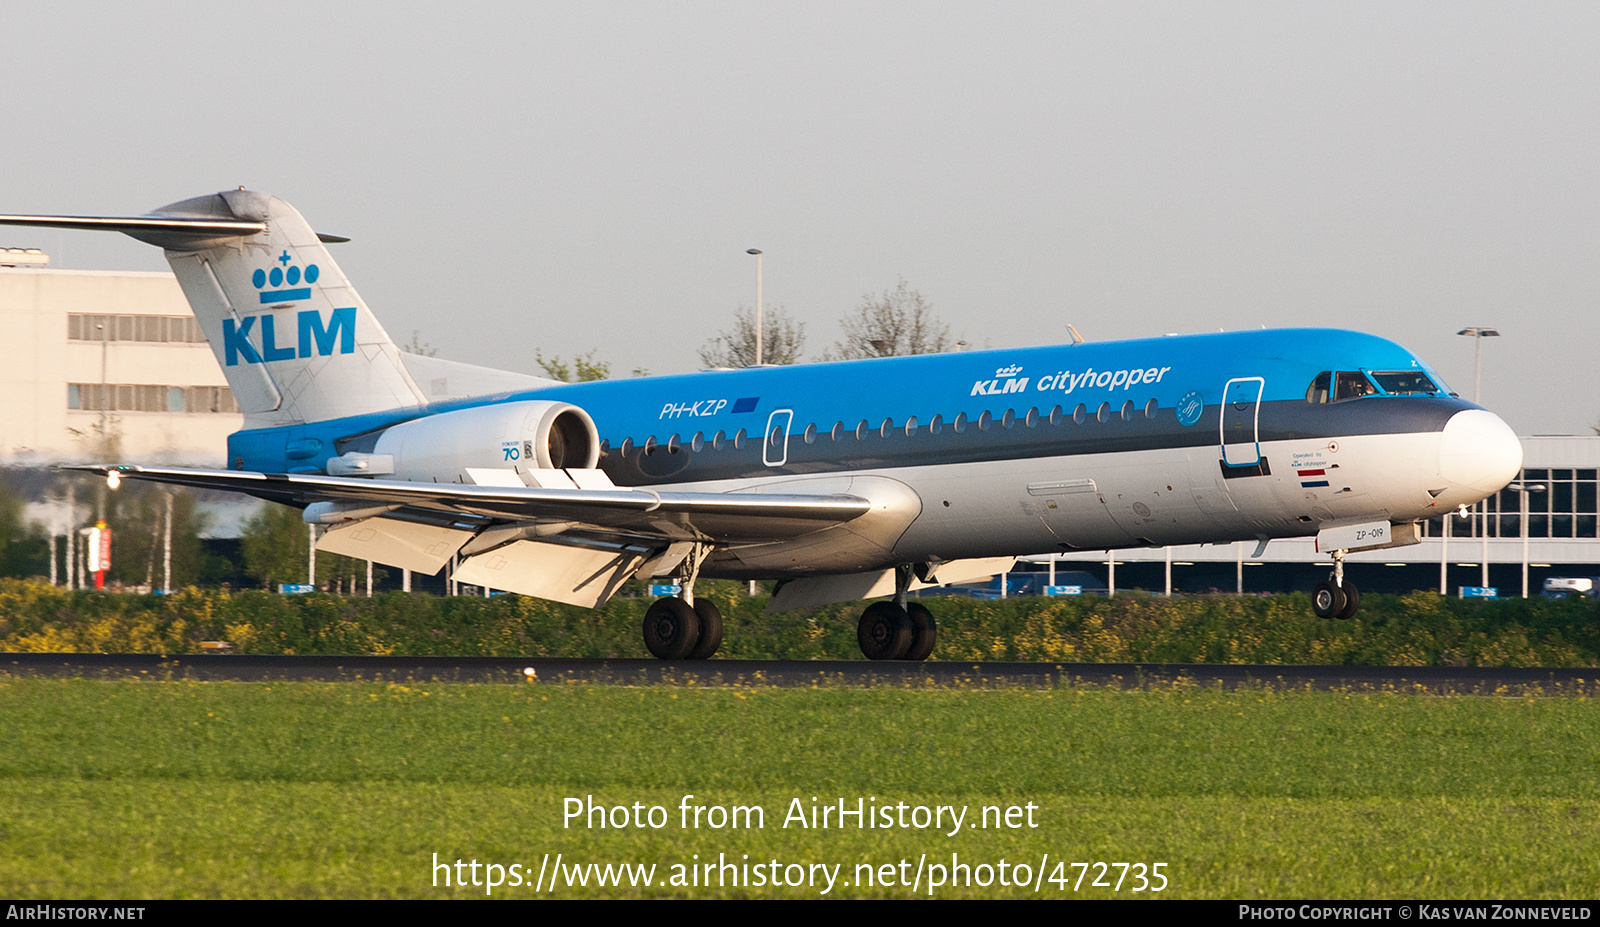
(676,630)
(897,629)
(683,627)
(1336,598)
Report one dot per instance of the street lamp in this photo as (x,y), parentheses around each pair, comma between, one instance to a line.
(1522,490)
(1477,333)
(757,253)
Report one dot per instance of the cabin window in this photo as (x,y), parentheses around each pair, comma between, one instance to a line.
(1033,417)
(885,428)
(672,444)
(911,426)
(650,445)
(1317,392)
(1352,384)
(699,442)
(718,441)
(811,433)
(1150,409)
(961,423)
(936,425)
(1009,419)
(984,419)
(1056,415)
(739,439)
(1127,411)
(1104,414)
(1080,414)
(627,446)
(838,430)
(861,430)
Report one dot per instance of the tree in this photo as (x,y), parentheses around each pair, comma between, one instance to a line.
(137,515)
(583,369)
(417,346)
(24,549)
(898,322)
(782,340)
(275,543)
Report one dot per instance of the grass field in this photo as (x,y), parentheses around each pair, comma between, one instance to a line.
(184,789)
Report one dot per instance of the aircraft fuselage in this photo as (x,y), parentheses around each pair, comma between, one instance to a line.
(1174,440)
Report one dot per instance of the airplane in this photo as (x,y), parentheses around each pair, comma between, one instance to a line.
(844,481)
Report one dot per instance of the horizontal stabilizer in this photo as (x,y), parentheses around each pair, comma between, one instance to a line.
(178,234)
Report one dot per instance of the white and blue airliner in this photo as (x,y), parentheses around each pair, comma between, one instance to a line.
(853,480)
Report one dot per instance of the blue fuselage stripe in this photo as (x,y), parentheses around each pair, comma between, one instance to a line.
(1135,395)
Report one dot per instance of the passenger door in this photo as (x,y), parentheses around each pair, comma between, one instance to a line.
(1241,427)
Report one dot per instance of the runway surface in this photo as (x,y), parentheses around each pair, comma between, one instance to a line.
(545,671)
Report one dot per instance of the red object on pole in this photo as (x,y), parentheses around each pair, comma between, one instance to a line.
(103,561)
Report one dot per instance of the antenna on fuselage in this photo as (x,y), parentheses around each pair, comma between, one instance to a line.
(1076,338)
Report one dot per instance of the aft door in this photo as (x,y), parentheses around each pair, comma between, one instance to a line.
(1241,427)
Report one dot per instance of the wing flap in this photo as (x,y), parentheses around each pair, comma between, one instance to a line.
(410,546)
(574,575)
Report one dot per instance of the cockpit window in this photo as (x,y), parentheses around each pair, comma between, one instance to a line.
(1406,382)
(1318,391)
(1352,385)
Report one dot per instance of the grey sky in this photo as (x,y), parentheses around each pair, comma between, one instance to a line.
(571,176)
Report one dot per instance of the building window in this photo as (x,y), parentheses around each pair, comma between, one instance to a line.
(149,397)
(146,329)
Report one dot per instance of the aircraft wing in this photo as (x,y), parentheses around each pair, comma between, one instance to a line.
(625,512)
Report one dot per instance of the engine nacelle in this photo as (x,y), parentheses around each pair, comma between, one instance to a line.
(532,435)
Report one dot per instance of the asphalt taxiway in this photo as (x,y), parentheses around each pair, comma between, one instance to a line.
(934,673)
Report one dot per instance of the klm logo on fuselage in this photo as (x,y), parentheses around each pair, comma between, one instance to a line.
(1066,381)
(1005,381)
(312,337)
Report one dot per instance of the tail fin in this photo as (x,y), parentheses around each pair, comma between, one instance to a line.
(294,339)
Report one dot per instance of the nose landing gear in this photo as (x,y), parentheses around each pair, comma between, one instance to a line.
(1336,598)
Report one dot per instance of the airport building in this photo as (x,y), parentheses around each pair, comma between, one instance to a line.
(103,365)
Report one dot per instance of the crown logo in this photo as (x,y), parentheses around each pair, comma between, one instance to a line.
(285,274)
(1011,371)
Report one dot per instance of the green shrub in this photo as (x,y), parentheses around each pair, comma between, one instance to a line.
(1419,629)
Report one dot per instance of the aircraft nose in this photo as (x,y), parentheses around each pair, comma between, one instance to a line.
(1478,451)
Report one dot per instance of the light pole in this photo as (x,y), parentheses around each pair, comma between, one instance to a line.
(757,253)
(105,414)
(1522,493)
(1477,333)
(1444,558)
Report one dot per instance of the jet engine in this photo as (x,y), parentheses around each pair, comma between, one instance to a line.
(530,435)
